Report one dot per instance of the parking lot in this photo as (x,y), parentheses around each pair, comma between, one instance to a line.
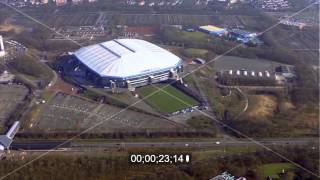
(10,97)
(76,19)
(69,113)
(82,32)
(14,49)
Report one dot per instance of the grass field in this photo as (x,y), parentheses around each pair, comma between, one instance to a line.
(183,36)
(164,102)
(31,69)
(274,169)
(155,19)
(201,123)
(261,106)
(195,35)
(194,52)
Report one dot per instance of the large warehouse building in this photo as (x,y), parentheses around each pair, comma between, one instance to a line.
(128,63)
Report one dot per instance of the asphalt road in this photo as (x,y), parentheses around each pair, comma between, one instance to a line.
(198,144)
(35,145)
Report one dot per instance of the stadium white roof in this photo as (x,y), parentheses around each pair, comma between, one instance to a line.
(126,58)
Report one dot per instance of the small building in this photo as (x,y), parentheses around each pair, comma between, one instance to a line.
(284,74)
(213,30)
(198,61)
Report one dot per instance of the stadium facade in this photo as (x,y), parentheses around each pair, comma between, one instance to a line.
(128,63)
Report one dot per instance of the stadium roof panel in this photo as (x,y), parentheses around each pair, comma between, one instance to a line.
(126,58)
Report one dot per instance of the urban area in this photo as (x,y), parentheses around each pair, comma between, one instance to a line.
(159,89)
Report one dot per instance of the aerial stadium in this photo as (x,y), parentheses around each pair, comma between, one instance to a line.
(126,63)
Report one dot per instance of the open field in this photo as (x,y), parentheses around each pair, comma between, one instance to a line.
(10,27)
(194,52)
(183,36)
(261,106)
(10,97)
(205,154)
(70,113)
(58,20)
(305,43)
(135,19)
(154,19)
(273,169)
(163,102)
(201,123)
(29,67)
(202,81)
(76,19)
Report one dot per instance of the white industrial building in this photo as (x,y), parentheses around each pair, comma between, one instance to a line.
(2,52)
(128,63)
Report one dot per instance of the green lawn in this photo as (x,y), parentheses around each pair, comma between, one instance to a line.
(195,36)
(201,123)
(274,169)
(180,35)
(194,52)
(164,102)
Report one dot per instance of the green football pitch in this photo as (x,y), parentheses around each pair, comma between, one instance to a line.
(162,101)
(273,169)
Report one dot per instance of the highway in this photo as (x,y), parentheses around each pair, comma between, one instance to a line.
(85,145)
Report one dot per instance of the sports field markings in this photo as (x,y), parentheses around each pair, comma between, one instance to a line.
(164,103)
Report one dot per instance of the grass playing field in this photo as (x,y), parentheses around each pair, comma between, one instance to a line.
(194,52)
(183,36)
(164,102)
(274,169)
